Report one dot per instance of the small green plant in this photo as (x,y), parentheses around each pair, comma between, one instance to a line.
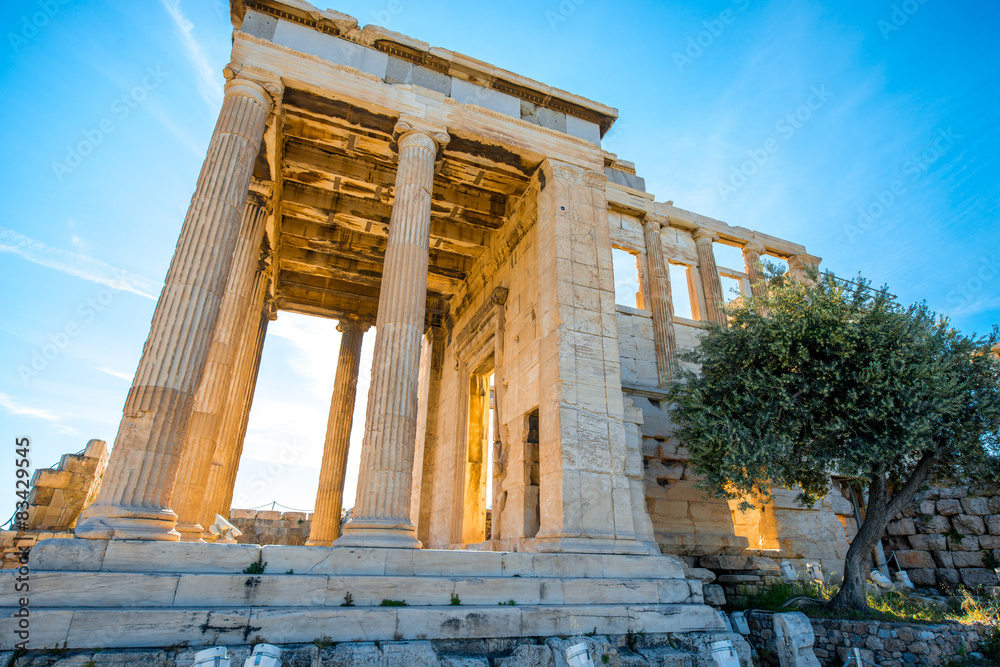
(509,603)
(632,639)
(90,663)
(990,561)
(289,571)
(257,567)
(605,658)
(397,636)
(926,518)
(393,603)
(301,521)
(58,650)
(257,640)
(592,632)
(455,601)
(953,536)
(323,642)
(348,600)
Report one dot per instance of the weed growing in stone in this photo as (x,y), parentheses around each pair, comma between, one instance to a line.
(393,603)
(455,601)
(257,567)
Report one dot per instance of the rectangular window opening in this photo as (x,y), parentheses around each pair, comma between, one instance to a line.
(626,270)
(679,292)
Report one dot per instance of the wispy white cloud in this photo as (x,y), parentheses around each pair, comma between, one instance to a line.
(117,374)
(80,266)
(208,85)
(18,410)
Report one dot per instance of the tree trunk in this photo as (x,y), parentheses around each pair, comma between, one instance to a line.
(852,592)
(880,510)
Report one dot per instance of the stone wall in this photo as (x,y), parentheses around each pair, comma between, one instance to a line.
(882,643)
(12,542)
(639,650)
(948,537)
(271,527)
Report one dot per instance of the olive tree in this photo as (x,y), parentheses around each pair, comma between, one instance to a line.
(827,376)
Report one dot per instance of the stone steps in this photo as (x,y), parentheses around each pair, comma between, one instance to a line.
(143,556)
(189,590)
(117,627)
(92,594)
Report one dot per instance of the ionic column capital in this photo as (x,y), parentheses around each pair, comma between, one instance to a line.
(703,235)
(409,131)
(353,324)
(654,221)
(263,86)
(754,247)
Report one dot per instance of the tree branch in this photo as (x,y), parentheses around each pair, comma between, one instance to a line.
(905,495)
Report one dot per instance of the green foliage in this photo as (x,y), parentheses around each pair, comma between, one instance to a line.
(455,601)
(323,642)
(256,567)
(348,600)
(393,603)
(289,571)
(605,658)
(509,603)
(990,561)
(810,378)
(990,646)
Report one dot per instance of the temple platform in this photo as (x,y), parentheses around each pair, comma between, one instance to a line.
(100,594)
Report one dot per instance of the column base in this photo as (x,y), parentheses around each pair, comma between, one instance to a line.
(190,532)
(386,533)
(120,522)
(319,543)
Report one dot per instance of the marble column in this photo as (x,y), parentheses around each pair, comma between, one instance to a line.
(333,470)
(710,280)
(214,390)
(134,500)
(751,264)
(661,301)
(229,447)
(381,516)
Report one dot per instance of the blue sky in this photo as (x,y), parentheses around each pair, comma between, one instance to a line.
(866,131)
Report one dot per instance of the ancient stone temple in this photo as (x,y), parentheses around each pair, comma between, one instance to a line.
(466,217)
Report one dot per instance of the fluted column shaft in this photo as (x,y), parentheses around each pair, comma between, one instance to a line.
(381,515)
(752,266)
(134,500)
(333,470)
(229,447)
(214,390)
(661,302)
(710,280)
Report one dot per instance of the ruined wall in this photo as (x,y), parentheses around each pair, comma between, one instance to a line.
(948,537)
(271,527)
(59,494)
